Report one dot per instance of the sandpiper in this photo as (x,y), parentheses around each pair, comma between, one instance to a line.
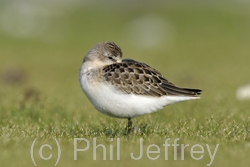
(125,88)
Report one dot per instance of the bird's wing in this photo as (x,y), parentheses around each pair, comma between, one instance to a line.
(138,78)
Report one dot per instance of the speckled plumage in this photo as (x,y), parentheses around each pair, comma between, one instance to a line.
(138,78)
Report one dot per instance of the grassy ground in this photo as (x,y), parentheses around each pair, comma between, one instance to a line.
(203,46)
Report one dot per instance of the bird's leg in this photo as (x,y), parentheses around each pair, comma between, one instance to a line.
(129,126)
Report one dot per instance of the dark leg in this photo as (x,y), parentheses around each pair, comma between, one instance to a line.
(129,125)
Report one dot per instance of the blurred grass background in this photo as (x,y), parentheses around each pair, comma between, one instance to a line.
(193,44)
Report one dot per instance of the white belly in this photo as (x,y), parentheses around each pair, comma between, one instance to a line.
(111,102)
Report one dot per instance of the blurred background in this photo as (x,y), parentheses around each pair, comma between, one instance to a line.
(196,44)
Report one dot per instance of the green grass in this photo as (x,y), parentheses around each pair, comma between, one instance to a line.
(210,50)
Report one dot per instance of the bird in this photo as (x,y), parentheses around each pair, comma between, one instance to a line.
(125,88)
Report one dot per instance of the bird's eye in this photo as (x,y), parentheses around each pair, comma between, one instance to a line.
(110,57)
